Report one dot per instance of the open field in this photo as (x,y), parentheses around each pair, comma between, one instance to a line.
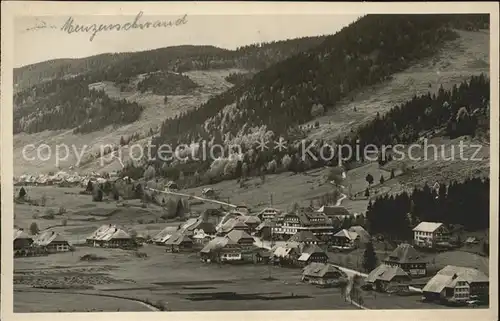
(193,286)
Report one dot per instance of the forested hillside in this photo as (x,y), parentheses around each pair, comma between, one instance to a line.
(55,95)
(118,67)
(453,204)
(286,95)
(463,110)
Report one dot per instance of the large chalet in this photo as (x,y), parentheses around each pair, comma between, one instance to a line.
(408,259)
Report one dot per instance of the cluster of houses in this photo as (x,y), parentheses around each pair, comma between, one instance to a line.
(40,244)
(62,178)
(298,239)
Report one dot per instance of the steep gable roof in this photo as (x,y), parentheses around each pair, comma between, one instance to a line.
(405,253)
(347,234)
(428,227)
(334,210)
(321,270)
(21,234)
(238,235)
(386,273)
(364,236)
(48,237)
(303,236)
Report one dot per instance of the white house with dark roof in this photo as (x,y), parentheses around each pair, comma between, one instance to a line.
(457,284)
(428,234)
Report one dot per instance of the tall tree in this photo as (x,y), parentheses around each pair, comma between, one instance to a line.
(369,258)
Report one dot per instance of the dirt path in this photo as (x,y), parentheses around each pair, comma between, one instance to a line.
(150,307)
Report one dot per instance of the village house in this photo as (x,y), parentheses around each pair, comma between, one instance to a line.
(407,258)
(164,235)
(304,219)
(286,254)
(430,234)
(221,249)
(364,236)
(334,212)
(264,230)
(22,240)
(323,274)
(268,214)
(345,239)
(110,236)
(241,238)
(304,237)
(52,242)
(233,224)
(179,242)
(200,238)
(457,284)
(200,223)
(251,221)
(387,278)
(311,253)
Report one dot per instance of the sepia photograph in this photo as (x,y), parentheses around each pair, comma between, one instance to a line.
(252,162)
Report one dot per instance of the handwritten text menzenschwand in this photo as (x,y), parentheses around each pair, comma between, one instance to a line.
(70,27)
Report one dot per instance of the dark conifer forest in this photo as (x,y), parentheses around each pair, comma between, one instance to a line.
(460,203)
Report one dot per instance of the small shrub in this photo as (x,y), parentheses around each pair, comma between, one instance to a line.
(91,257)
(140,254)
(61,210)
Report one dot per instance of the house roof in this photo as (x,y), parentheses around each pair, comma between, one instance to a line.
(347,234)
(333,210)
(249,219)
(309,250)
(427,227)
(218,242)
(469,274)
(48,237)
(321,270)
(231,224)
(269,210)
(21,234)
(450,275)
(266,223)
(178,238)
(109,232)
(304,236)
(405,253)
(386,273)
(364,236)
(237,235)
(165,234)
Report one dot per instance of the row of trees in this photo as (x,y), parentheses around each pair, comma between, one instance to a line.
(460,203)
(167,83)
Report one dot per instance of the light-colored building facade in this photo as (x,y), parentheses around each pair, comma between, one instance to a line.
(428,234)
